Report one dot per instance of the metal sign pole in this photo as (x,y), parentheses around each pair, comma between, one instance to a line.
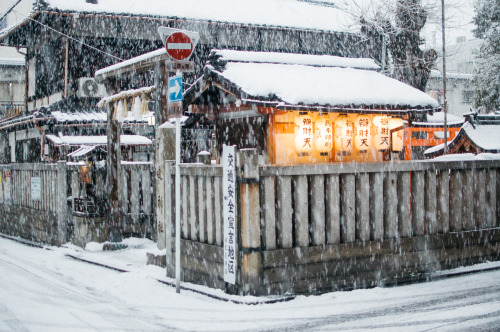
(178,204)
(179,45)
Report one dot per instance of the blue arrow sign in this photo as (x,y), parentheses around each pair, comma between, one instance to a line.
(175,89)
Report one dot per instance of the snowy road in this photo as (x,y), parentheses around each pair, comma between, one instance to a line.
(43,290)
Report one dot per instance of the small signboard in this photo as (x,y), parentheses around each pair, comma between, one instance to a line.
(230,213)
(180,66)
(175,89)
(7,187)
(36,188)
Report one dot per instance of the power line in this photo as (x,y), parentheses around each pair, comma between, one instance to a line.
(8,11)
(74,39)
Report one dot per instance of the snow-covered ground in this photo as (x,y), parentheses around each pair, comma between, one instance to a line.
(45,290)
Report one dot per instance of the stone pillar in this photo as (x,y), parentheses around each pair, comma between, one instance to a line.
(250,221)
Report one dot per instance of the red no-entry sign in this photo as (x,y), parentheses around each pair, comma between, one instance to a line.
(179,46)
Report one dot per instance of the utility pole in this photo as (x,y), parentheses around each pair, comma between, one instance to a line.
(445,103)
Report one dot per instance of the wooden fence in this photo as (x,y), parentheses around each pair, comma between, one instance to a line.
(90,211)
(323,227)
(33,202)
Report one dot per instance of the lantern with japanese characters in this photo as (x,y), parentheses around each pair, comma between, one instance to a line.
(363,132)
(323,136)
(397,136)
(303,134)
(343,134)
(381,132)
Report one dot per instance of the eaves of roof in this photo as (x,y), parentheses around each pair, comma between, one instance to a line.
(213,77)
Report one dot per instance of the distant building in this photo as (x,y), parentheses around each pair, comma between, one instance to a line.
(12,88)
(460,62)
(479,134)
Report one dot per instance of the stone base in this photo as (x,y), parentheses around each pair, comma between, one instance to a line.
(158,260)
(89,230)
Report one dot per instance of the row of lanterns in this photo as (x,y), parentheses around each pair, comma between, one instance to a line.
(362,132)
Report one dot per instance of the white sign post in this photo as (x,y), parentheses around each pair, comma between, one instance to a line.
(230,213)
(36,188)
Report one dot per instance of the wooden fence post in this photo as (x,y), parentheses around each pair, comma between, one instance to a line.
(62,197)
(418,202)
(430,203)
(363,207)
(164,150)
(443,201)
(377,206)
(250,221)
(348,216)
(456,201)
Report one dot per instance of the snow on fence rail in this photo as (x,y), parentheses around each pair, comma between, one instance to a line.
(322,227)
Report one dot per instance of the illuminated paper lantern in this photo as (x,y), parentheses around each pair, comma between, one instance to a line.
(303,134)
(323,135)
(381,132)
(397,136)
(363,132)
(343,134)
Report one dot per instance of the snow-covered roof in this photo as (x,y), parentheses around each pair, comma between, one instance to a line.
(79,116)
(98,140)
(301,84)
(125,94)
(438,118)
(283,13)
(82,151)
(484,136)
(487,137)
(101,73)
(295,59)
(18,62)
(451,75)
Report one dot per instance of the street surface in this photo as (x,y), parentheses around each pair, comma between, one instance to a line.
(44,290)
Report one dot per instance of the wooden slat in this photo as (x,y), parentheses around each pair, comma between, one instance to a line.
(332,196)
(201,207)
(456,189)
(285,239)
(430,198)
(491,197)
(363,207)
(146,191)
(390,205)
(193,209)
(404,204)
(134,192)
(218,211)
(480,199)
(377,206)
(318,235)
(443,201)
(468,200)
(268,203)
(417,202)
(347,208)
(209,194)
(185,206)
(301,211)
